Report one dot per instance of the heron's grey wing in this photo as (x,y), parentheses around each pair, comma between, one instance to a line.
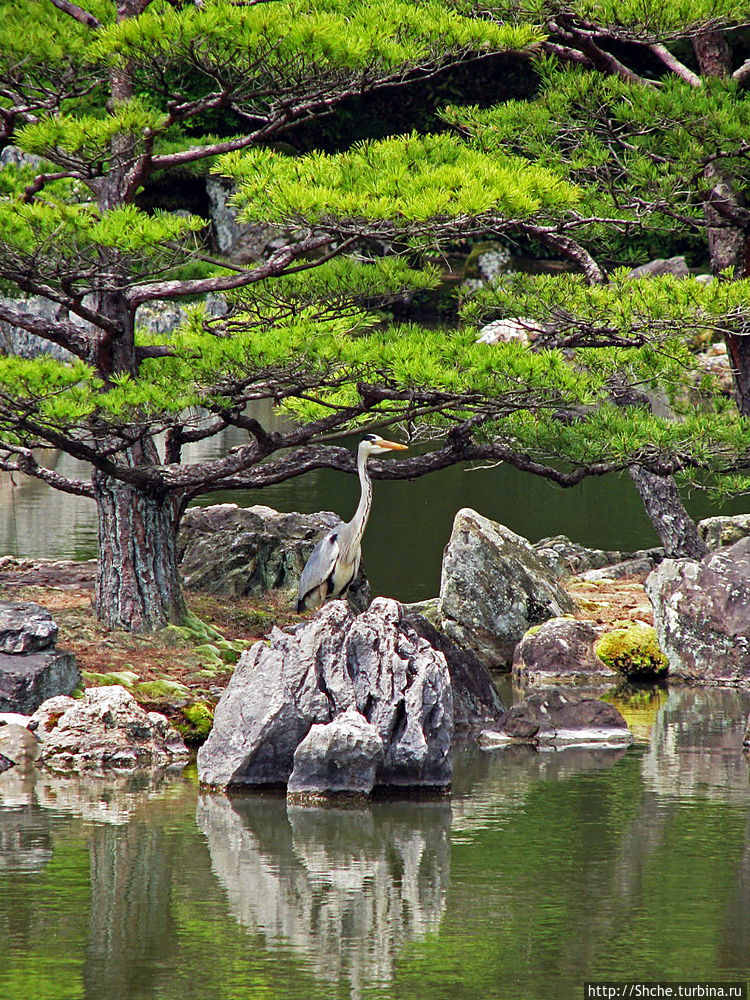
(320,565)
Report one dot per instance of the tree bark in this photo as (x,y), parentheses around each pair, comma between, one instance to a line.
(138,582)
(676,529)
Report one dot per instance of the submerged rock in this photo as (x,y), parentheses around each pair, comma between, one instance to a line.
(105,729)
(493,588)
(558,719)
(373,662)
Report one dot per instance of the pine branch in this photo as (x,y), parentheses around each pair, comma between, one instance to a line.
(25,463)
(66,335)
(78,13)
(276,264)
(678,68)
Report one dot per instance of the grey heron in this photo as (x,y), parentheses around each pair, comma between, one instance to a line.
(334,562)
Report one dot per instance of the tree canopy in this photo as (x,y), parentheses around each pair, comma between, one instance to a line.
(635,138)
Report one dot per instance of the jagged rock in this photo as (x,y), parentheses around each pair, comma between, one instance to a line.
(702,615)
(720,532)
(565,558)
(559,719)
(338,759)
(676,266)
(241,242)
(561,651)
(27,681)
(235,551)
(493,588)
(373,661)
(476,700)
(107,728)
(25,627)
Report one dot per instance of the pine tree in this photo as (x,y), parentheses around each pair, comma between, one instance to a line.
(110,98)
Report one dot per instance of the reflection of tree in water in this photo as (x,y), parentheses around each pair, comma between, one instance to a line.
(346,887)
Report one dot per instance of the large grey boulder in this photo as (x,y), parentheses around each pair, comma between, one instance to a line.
(702,615)
(493,588)
(107,728)
(338,759)
(373,662)
(565,558)
(237,551)
(25,627)
(561,651)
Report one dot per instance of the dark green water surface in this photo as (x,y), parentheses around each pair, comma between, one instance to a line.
(544,869)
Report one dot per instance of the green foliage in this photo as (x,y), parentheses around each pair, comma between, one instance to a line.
(403,179)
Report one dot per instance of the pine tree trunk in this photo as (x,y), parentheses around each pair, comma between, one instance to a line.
(676,529)
(138,582)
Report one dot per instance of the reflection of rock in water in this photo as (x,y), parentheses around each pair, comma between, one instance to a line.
(25,839)
(695,745)
(346,887)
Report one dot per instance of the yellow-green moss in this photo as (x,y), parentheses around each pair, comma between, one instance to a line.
(634,651)
(195,725)
(125,678)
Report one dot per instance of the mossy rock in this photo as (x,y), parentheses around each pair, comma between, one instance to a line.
(194,722)
(633,650)
(125,678)
(170,692)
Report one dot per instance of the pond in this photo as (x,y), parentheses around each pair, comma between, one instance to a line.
(410,523)
(543,870)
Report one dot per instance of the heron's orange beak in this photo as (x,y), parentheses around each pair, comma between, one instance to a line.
(394,445)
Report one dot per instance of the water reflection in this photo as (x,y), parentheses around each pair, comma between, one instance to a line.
(543,871)
(345,887)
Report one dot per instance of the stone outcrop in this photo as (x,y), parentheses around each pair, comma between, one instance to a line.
(18,746)
(31,669)
(106,729)
(341,758)
(561,651)
(558,719)
(373,662)
(565,558)
(237,551)
(476,701)
(676,266)
(493,588)
(702,615)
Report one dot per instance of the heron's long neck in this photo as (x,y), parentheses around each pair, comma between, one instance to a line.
(359,521)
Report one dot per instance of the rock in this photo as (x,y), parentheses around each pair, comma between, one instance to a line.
(234,551)
(26,681)
(634,652)
(339,759)
(18,745)
(373,661)
(720,532)
(510,331)
(559,720)
(493,588)
(676,266)
(25,627)
(702,615)
(628,569)
(565,558)
(561,651)
(105,729)
(240,241)
(476,700)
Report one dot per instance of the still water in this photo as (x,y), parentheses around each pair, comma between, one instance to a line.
(544,870)
(410,523)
